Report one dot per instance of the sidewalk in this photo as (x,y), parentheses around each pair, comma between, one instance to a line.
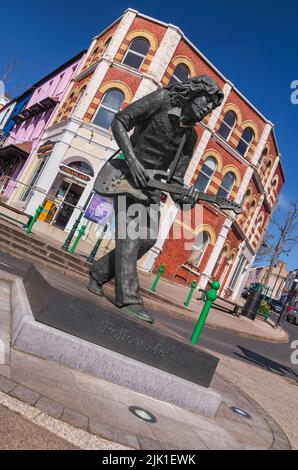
(170,299)
(88,412)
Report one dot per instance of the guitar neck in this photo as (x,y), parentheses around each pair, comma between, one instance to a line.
(180,190)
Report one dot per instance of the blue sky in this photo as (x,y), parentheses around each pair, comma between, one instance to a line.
(254,44)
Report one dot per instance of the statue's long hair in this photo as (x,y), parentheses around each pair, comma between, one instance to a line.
(181,93)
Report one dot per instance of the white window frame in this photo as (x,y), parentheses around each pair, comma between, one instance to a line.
(245,141)
(135,52)
(202,252)
(227,125)
(107,107)
(209,177)
(231,189)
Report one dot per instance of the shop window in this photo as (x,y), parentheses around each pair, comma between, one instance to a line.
(227,125)
(29,191)
(245,141)
(226,185)
(136,53)
(109,106)
(199,249)
(181,73)
(206,174)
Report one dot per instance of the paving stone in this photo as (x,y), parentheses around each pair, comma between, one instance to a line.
(6,385)
(151,444)
(280,443)
(177,434)
(113,434)
(264,434)
(75,418)
(50,407)
(25,394)
(242,433)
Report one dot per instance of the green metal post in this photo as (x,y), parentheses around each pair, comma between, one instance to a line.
(79,236)
(34,219)
(68,240)
(211,295)
(92,255)
(160,271)
(193,286)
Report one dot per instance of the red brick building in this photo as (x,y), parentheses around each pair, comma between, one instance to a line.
(236,155)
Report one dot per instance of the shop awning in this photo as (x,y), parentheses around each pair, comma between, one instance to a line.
(11,151)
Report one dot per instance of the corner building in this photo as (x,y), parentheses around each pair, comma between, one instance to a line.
(236,155)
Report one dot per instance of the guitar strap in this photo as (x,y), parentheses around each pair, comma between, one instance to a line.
(176,158)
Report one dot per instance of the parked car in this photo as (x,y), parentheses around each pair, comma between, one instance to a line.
(292,316)
(275,305)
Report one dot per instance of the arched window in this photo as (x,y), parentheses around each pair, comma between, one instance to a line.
(264,155)
(109,106)
(226,185)
(245,141)
(199,249)
(94,54)
(227,125)
(106,44)
(206,174)
(180,74)
(81,92)
(136,53)
(82,167)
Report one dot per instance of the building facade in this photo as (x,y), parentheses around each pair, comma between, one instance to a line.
(236,155)
(274,278)
(290,291)
(30,115)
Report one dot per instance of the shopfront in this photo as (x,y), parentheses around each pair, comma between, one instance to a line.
(65,193)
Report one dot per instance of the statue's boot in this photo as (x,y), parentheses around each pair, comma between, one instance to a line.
(95,287)
(138,312)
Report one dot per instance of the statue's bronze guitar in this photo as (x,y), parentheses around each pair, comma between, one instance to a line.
(115,179)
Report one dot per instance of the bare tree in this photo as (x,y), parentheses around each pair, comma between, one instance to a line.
(282,237)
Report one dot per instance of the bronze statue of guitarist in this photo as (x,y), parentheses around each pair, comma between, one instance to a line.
(163,141)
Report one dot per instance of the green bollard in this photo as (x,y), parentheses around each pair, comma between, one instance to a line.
(160,271)
(34,219)
(193,286)
(92,255)
(68,240)
(211,296)
(80,234)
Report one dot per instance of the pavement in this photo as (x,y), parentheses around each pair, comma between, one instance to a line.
(76,409)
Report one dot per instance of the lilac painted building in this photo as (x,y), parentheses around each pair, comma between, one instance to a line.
(31,121)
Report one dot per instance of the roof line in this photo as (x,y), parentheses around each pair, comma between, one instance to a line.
(42,80)
(204,58)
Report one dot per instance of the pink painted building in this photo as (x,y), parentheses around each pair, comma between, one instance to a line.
(31,122)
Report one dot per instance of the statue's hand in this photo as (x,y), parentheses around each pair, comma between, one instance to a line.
(138,173)
(190,197)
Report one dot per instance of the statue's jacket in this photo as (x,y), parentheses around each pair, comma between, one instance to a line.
(157,133)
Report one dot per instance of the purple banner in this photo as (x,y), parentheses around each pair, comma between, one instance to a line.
(100,209)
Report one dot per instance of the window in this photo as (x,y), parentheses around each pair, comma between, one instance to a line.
(136,53)
(238,271)
(109,106)
(81,167)
(226,185)
(206,174)
(81,92)
(245,141)
(29,191)
(181,73)
(227,125)
(106,45)
(199,249)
